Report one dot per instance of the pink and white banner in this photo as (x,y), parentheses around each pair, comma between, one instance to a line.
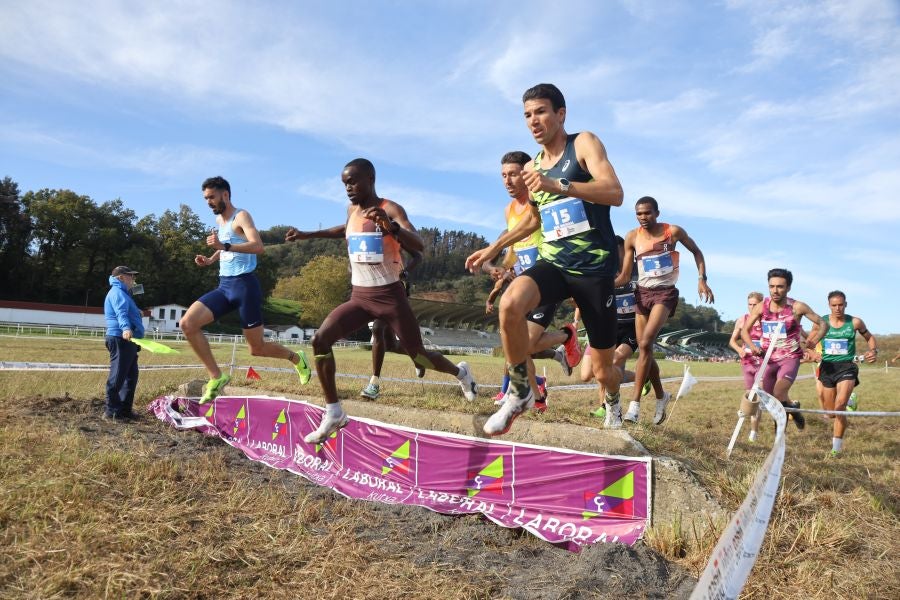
(562,496)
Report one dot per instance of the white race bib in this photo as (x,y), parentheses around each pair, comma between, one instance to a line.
(366,247)
(772,329)
(660,264)
(525,259)
(835,347)
(563,218)
(625,304)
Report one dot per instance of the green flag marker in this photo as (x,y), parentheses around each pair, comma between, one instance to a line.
(154,347)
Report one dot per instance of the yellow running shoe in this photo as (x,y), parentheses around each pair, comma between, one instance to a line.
(214,387)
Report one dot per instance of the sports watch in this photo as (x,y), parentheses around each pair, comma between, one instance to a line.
(564,184)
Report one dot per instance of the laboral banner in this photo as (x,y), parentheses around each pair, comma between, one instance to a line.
(562,496)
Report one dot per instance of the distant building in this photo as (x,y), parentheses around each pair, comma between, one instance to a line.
(289,333)
(42,313)
(166,318)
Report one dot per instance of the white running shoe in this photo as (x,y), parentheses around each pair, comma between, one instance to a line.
(613,415)
(500,422)
(560,357)
(466,382)
(328,426)
(660,415)
(634,410)
(499,399)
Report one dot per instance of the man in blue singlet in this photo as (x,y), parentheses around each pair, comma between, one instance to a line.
(572,185)
(236,244)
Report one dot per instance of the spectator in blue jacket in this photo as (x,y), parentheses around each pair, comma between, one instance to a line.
(123,322)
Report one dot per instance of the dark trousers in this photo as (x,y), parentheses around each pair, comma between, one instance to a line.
(123,376)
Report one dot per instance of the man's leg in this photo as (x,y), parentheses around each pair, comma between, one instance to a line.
(115,379)
(192,323)
(841,396)
(131,381)
(647,328)
(379,342)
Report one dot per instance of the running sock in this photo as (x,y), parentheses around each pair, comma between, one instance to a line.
(518,379)
(374,380)
(334,409)
(505,385)
(540,380)
(837,444)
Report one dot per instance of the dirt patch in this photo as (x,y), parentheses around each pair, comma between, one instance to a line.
(516,564)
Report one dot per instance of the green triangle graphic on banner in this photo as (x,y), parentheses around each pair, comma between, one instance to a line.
(209,412)
(495,469)
(281,417)
(623,488)
(241,413)
(402,451)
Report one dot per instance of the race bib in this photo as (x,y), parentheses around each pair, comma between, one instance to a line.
(772,329)
(526,258)
(625,304)
(661,264)
(366,248)
(835,347)
(563,218)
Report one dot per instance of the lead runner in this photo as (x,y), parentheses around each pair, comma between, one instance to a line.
(572,185)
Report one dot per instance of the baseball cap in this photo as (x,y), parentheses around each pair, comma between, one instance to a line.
(123,271)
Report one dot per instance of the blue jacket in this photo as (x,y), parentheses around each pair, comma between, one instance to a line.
(121,312)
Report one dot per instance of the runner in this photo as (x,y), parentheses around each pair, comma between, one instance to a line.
(236,244)
(385,340)
(652,246)
(779,317)
(626,337)
(838,372)
(375,229)
(525,252)
(749,361)
(572,186)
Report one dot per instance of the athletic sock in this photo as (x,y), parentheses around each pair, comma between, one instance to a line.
(518,379)
(374,380)
(540,380)
(837,444)
(505,385)
(334,409)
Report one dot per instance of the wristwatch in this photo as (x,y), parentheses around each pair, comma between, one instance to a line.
(564,185)
(227,246)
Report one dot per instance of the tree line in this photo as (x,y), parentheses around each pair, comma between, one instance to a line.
(58,246)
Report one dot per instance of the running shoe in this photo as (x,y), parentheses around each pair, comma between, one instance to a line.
(646,389)
(328,426)
(542,389)
(600,413)
(540,405)
(302,366)
(467,382)
(634,410)
(660,415)
(573,351)
(214,387)
(500,422)
(834,454)
(420,372)
(853,402)
(752,437)
(371,391)
(613,412)
(560,357)
(799,419)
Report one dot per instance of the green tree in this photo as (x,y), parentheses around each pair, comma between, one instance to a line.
(15,233)
(322,284)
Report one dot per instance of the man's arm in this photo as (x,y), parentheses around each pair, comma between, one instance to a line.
(244,226)
(627,265)
(392,219)
(295,235)
(604,187)
(527,225)
(735,336)
(859,326)
(752,318)
(680,235)
(802,309)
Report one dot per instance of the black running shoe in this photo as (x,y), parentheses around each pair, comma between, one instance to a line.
(799,420)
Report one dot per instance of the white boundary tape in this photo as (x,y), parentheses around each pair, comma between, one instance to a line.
(738,546)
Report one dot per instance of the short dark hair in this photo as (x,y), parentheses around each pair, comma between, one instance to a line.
(648,200)
(783,273)
(516,157)
(363,164)
(545,91)
(216,183)
(837,293)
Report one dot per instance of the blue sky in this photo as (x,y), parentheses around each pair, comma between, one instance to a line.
(770,131)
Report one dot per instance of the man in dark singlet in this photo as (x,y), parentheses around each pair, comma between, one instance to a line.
(572,185)
(375,230)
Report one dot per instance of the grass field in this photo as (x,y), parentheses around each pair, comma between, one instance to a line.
(91,509)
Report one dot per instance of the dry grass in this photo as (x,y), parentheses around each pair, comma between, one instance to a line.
(130,512)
